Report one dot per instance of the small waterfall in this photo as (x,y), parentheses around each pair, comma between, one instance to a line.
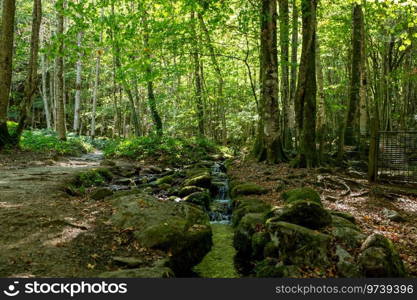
(221,207)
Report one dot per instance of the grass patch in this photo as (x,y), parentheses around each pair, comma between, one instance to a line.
(218,263)
(48,141)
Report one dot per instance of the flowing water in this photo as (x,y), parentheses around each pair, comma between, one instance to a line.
(221,207)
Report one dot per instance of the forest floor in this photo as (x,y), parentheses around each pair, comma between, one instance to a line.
(46,233)
(346,191)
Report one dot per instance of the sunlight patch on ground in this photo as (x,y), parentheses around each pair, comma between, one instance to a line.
(67,234)
(9,205)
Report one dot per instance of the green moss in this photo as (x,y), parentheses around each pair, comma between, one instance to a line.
(166,179)
(304,193)
(343,215)
(199,198)
(92,177)
(305,213)
(200,180)
(218,263)
(243,206)
(248,189)
(188,190)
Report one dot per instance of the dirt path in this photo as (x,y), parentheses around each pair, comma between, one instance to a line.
(38,219)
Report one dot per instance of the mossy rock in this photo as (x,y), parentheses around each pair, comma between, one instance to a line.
(93,177)
(348,236)
(243,206)
(379,258)
(305,213)
(188,190)
(197,171)
(343,215)
(165,180)
(180,229)
(242,240)
(199,198)
(271,250)
(200,180)
(346,265)
(304,193)
(248,188)
(272,268)
(164,186)
(147,272)
(299,245)
(101,193)
(342,222)
(259,241)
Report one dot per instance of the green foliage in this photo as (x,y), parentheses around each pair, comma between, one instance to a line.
(171,149)
(48,141)
(93,177)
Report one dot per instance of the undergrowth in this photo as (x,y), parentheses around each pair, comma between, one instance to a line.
(163,148)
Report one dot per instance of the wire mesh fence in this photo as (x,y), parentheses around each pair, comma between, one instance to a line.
(397,156)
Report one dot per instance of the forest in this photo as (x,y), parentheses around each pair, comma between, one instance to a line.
(208,138)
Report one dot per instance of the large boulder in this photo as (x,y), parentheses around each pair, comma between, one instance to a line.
(379,258)
(243,206)
(346,232)
(304,193)
(101,193)
(272,268)
(188,190)
(299,245)
(242,240)
(180,229)
(202,180)
(346,265)
(305,213)
(201,199)
(248,189)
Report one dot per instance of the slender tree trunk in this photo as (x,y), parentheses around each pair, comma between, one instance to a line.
(32,77)
(197,79)
(321,109)
(219,75)
(77,102)
(44,68)
(151,95)
(285,82)
(294,60)
(60,74)
(269,146)
(307,87)
(95,89)
(6,59)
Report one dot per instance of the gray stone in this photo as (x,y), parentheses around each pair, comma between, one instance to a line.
(346,265)
(393,215)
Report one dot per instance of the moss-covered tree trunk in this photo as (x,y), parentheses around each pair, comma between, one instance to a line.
(269,145)
(305,98)
(321,109)
(6,57)
(60,74)
(31,82)
(357,76)
(285,80)
(294,58)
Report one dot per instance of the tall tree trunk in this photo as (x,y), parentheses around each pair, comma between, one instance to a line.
(294,60)
(197,79)
(151,95)
(77,102)
(219,75)
(32,76)
(95,89)
(269,146)
(44,68)
(356,80)
(305,98)
(6,59)
(285,83)
(60,74)
(321,109)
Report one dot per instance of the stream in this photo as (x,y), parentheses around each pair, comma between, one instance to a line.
(221,208)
